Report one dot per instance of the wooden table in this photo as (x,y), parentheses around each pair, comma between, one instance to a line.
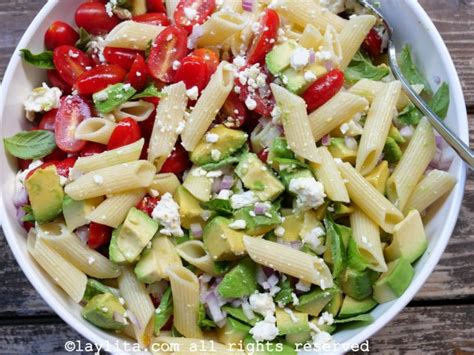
(439,320)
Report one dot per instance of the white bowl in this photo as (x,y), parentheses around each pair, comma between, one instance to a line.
(412,25)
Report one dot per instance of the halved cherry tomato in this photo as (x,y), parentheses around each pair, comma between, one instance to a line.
(56,155)
(62,167)
(93,17)
(99,235)
(92,148)
(155,6)
(373,43)
(209,56)
(233,113)
(263,155)
(98,78)
(177,162)
(23,164)
(72,111)
(169,46)
(126,132)
(55,80)
(323,89)
(193,72)
(266,36)
(153,18)
(189,13)
(121,56)
(58,34)
(70,62)
(148,204)
(138,76)
(48,120)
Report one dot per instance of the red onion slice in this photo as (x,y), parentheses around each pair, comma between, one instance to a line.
(261,208)
(20,213)
(247,5)
(83,234)
(227,182)
(196,230)
(20,197)
(326,140)
(214,308)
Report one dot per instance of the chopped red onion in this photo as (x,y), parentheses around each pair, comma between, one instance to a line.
(326,140)
(273,280)
(119,318)
(439,141)
(261,208)
(196,230)
(20,213)
(214,308)
(247,5)
(329,66)
(83,234)
(351,143)
(236,303)
(20,197)
(406,132)
(227,182)
(215,188)
(268,270)
(312,57)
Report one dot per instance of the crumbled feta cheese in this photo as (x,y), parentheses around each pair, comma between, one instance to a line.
(42,99)
(190,13)
(279,231)
(262,303)
(239,61)
(344,128)
(176,65)
(312,238)
(300,58)
(276,115)
(215,154)
(265,330)
(294,299)
(321,338)
(167,213)
(214,174)
(250,103)
(309,193)
(180,127)
(326,318)
(244,199)
(224,194)
(101,96)
(303,286)
(335,6)
(98,179)
(323,56)
(96,46)
(309,76)
(238,224)
(192,93)
(291,314)
(212,137)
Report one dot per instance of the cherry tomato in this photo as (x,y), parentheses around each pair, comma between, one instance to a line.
(28,225)
(153,100)
(62,167)
(121,56)
(98,78)
(193,72)
(373,43)
(209,56)
(169,46)
(177,162)
(323,89)
(70,62)
(99,235)
(126,132)
(56,155)
(48,120)
(266,36)
(153,18)
(93,17)
(233,113)
(189,13)
(58,34)
(155,6)
(56,80)
(92,148)
(263,155)
(72,111)
(138,76)
(23,164)
(148,204)
(146,127)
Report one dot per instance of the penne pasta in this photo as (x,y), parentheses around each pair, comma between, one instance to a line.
(219,27)
(163,183)
(198,184)
(240,42)
(95,129)
(195,254)
(138,110)
(232,5)
(132,35)
(353,35)
(369,88)
(311,38)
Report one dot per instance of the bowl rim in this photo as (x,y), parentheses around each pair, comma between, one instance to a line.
(28,268)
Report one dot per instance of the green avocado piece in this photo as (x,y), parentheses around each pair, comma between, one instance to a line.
(239,314)
(394,281)
(356,284)
(298,338)
(115,254)
(280,149)
(258,224)
(104,311)
(334,304)
(283,297)
(355,259)
(76,212)
(297,322)
(394,133)
(228,142)
(338,149)
(335,253)
(341,210)
(294,81)
(391,150)
(240,281)
(45,193)
(233,332)
(279,57)
(94,288)
(352,307)
(222,242)
(190,211)
(314,301)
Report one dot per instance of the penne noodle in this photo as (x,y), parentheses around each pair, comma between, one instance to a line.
(138,110)
(163,183)
(353,35)
(195,254)
(219,27)
(198,184)
(369,88)
(311,38)
(171,6)
(132,35)
(95,129)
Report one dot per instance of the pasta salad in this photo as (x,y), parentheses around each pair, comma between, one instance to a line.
(234,173)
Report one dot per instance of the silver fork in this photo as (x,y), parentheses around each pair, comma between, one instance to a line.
(450,137)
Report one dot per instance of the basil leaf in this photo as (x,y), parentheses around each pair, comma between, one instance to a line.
(361,67)
(410,71)
(28,217)
(221,267)
(94,288)
(113,96)
(410,115)
(163,312)
(150,91)
(84,39)
(30,144)
(221,207)
(440,101)
(203,321)
(227,161)
(41,60)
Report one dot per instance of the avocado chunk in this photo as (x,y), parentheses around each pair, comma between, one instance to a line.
(76,212)
(341,210)
(240,281)
(45,193)
(391,150)
(105,312)
(314,301)
(379,176)
(291,323)
(292,225)
(356,284)
(394,281)
(190,211)
(338,149)
(135,233)
(239,314)
(280,149)
(259,178)
(409,239)
(298,338)
(233,332)
(224,140)
(352,307)
(94,288)
(334,304)
(222,242)
(335,253)
(258,224)
(115,254)
(279,57)
(155,261)
(394,133)
(355,259)
(295,81)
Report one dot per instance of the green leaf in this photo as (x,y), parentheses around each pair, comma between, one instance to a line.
(361,67)
(440,101)
(94,288)
(221,207)
(227,161)
(163,312)
(84,39)
(150,91)
(41,60)
(410,71)
(221,267)
(410,115)
(335,251)
(30,144)
(113,96)
(284,295)
(360,318)
(204,322)
(148,48)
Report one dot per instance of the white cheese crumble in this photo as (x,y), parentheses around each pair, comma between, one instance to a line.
(279,231)
(96,46)
(244,199)
(300,58)
(238,224)
(312,238)
(176,65)
(42,99)
(224,194)
(98,179)
(326,318)
(309,76)
(212,137)
(309,193)
(215,154)
(262,303)
(250,103)
(190,13)
(166,213)
(192,93)
(265,330)
(303,286)
(276,115)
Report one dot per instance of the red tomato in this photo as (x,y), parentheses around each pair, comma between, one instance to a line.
(233,113)
(209,56)
(70,63)
(48,120)
(62,167)
(177,162)
(99,235)
(373,43)
(193,72)
(55,80)
(138,76)
(153,100)
(323,89)
(121,56)
(155,6)
(153,18)
(56,155)
(146,127)
(58,34)
(263,155)
(170,45)
(126,132)
(92,148)
(93,17)
(72,111)
(98,78)
(266,36)
(148,204)
(201,10)
(23,164)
